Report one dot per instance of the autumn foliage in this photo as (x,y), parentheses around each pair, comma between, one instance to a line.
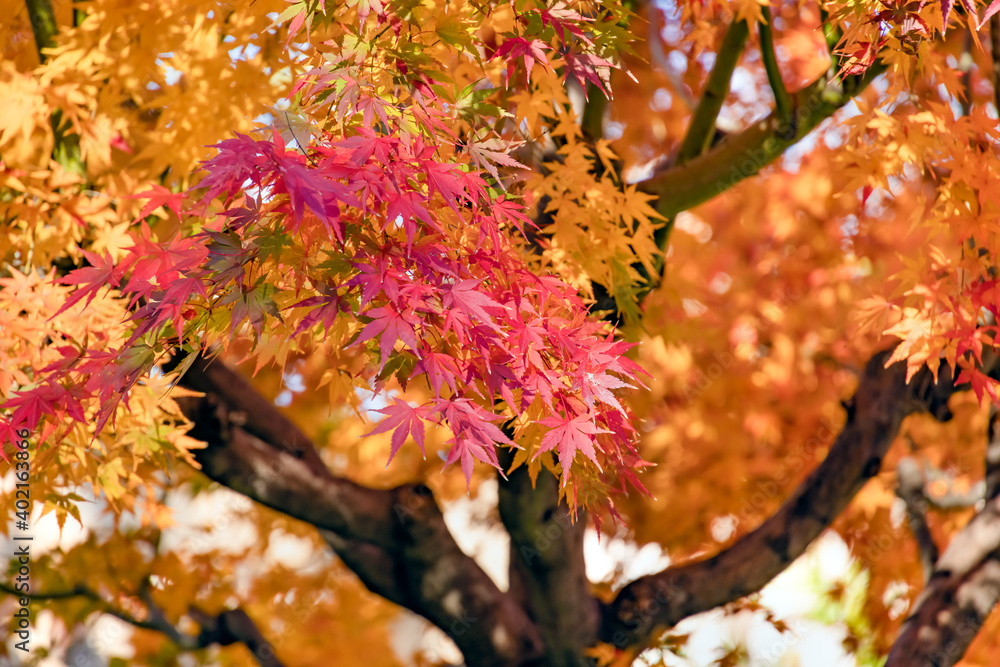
(715,276)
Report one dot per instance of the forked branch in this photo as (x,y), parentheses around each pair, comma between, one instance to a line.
(874,415)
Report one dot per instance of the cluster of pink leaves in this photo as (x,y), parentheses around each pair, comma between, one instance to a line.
(479,325)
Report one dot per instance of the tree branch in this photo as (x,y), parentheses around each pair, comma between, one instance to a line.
(229,627)
(43,24)
(594,107)
(702,127)
(911,490)
(742,155)
(963,588)
(995,52)
(395,540)
(881,402)
(547,569)
(782,101)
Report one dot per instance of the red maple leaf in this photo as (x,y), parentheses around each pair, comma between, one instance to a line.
(102,272)
(157,197)
(981,383)
(563,20)
(570,435)
(465,296)
(586,67)
(518,47)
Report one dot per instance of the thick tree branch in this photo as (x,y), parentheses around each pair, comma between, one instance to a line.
(702,128)
(264,472)
(256,414)
(395,540)
(964,585)
(874,415)
(547,569)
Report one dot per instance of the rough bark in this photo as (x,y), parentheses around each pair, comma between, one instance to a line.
(395,540)
(547,570)
(874,415)
(964,585)
(910,488)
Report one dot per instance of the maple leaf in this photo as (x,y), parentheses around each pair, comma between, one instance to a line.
(861,58)
(981,383)
(993,8)
(586,67)
(598,386)
(441,369)
(330,306)
(946,7)
(530,50)
(465,296)
(403,419)
(564,20)
(157,197)
(485,153)
(467,452)
(512,213)
(390,326)
(102,272)
(251,304)
(570,435)
(27,407)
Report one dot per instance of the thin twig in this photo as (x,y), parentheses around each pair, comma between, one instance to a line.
(782,101)
(702,128)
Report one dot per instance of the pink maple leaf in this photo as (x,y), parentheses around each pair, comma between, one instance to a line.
(465,296)
(518,47)
(390,326)
(598,386)
(405,419)
(570,435)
